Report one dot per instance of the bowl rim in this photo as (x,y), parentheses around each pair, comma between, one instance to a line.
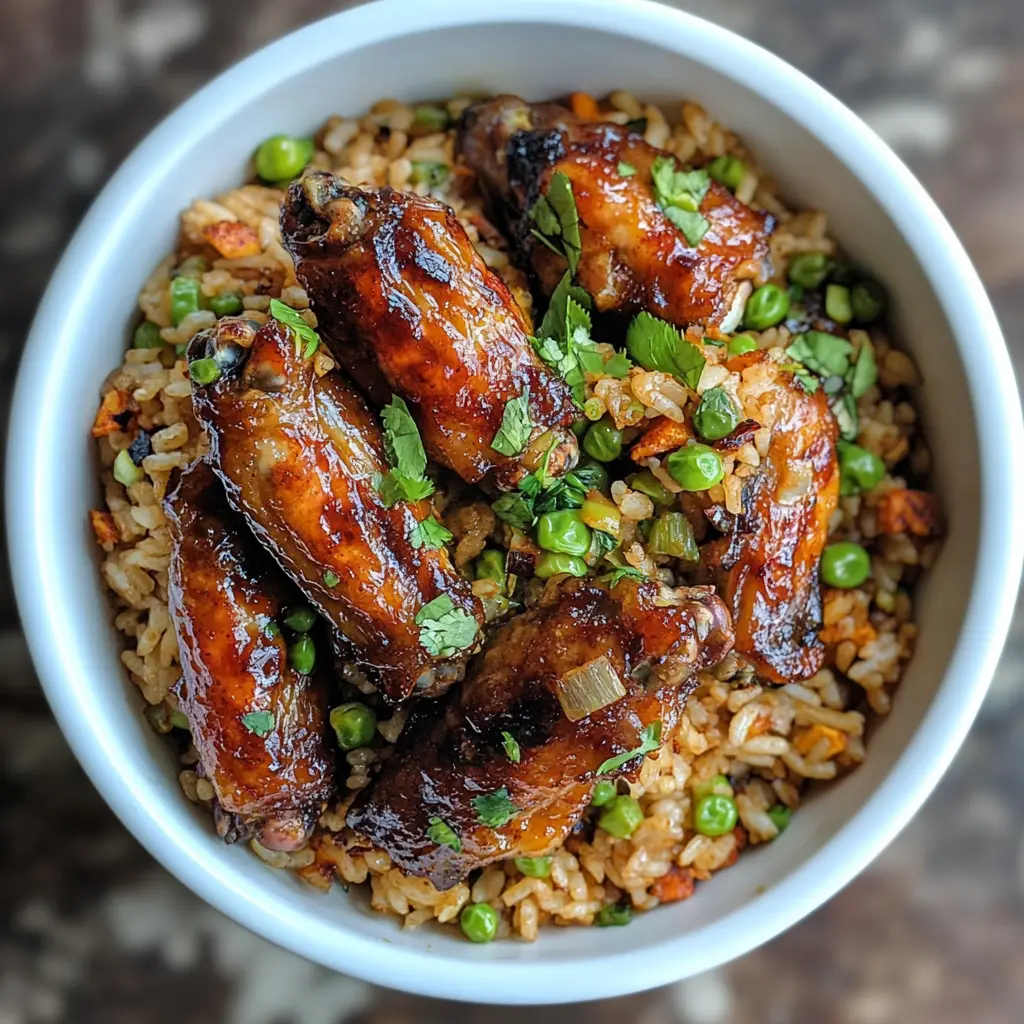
(990,380)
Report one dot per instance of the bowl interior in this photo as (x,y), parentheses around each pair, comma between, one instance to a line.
(80,337)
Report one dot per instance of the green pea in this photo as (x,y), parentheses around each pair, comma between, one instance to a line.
(767,307)
(620,817)
(147,335)
(672,534)
(550,564)
(204,371)
(429,172)
(429,117)
(859,469)
(718,784)
(490,565)
(647,483)
(125,471)
(845,565)
(780,815)
(300,617)
(593,409)
(593,473)
(302,654)
(867,301)
(603,441)
(809,269)
(226,303)
(354,725)
(563,532)
(614,915)
(728,171)
(604,790)
(580,426)
(837,303)
(695,467)
(715,815)
(186,297)
(534,867)
(283,157)
(479,922)
(742,344)
(716,416)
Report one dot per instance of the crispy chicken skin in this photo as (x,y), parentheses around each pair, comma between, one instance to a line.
(299,456)
(401,294)
(224,592)
(634,257)
(656,639)
(766,567)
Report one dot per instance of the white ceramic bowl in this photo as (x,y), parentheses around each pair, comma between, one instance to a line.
(825,158)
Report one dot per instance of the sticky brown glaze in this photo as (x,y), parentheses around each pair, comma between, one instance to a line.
(766,567)
(655,638)
(634,257)
(400,292)
(300,455)
(225,597)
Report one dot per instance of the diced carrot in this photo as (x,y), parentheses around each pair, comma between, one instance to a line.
(674,886)
(740,835)
(116,412)
(806,741)
(664,435)
(104,526)
(232,239)
(907,511)
(584,106)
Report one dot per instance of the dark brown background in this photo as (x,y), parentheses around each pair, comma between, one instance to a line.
(94,931)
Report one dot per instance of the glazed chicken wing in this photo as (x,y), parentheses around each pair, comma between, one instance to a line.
(401,294)
(301,456)
(633,256)
(502,770)
(766,568)
(257,724)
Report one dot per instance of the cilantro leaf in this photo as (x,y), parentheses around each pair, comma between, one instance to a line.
(402,439)
(512,751)
(865,371)
(623,572)
(516,509)
(429,534)
(679,194)
(626,170)
(650,739)
(554,323)
(844,408)
(260,723)
(494,809)
(443,834)
(445,629)
(395,487)
(307,341)
(516,426)
(656,345)
(556,217)
(823,354)
(601,544)
(331,579)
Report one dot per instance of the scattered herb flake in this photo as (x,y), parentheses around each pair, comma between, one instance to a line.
(512,751)
(626,170)
(429,534)
(823,354)
(445,629)
(623,572)
(259,723)
(679,194)
(864,372)
(395,487)
(516,426)
(650,739)
(556,218)
(402,439)
(330,578)
(307,341)
(443,834)
(494,809)
(656,345)
(516,509)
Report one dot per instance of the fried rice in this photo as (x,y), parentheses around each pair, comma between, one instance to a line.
(769,742)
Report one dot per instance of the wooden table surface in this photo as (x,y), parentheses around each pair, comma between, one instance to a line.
(92,930)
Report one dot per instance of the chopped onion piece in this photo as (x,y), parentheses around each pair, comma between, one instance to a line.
(589,688)
(795,483)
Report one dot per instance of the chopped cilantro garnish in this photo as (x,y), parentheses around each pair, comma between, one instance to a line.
(864,372)
(494,809)
(516,509)
(650,739)
(429,534)
(307,341)
(679,194)
(623,572)
(558,223)
(844,408)
(259,723)
(657,345)
(407,480)
(626,170)
(823,354)
(445,629)
(512,751)
(516,426)
(443,834)
(330,578)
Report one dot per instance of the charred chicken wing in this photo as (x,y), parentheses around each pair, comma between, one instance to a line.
(766,567)
(402,297)
(633,256)
(302,458)
(592,673)
(257,724)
